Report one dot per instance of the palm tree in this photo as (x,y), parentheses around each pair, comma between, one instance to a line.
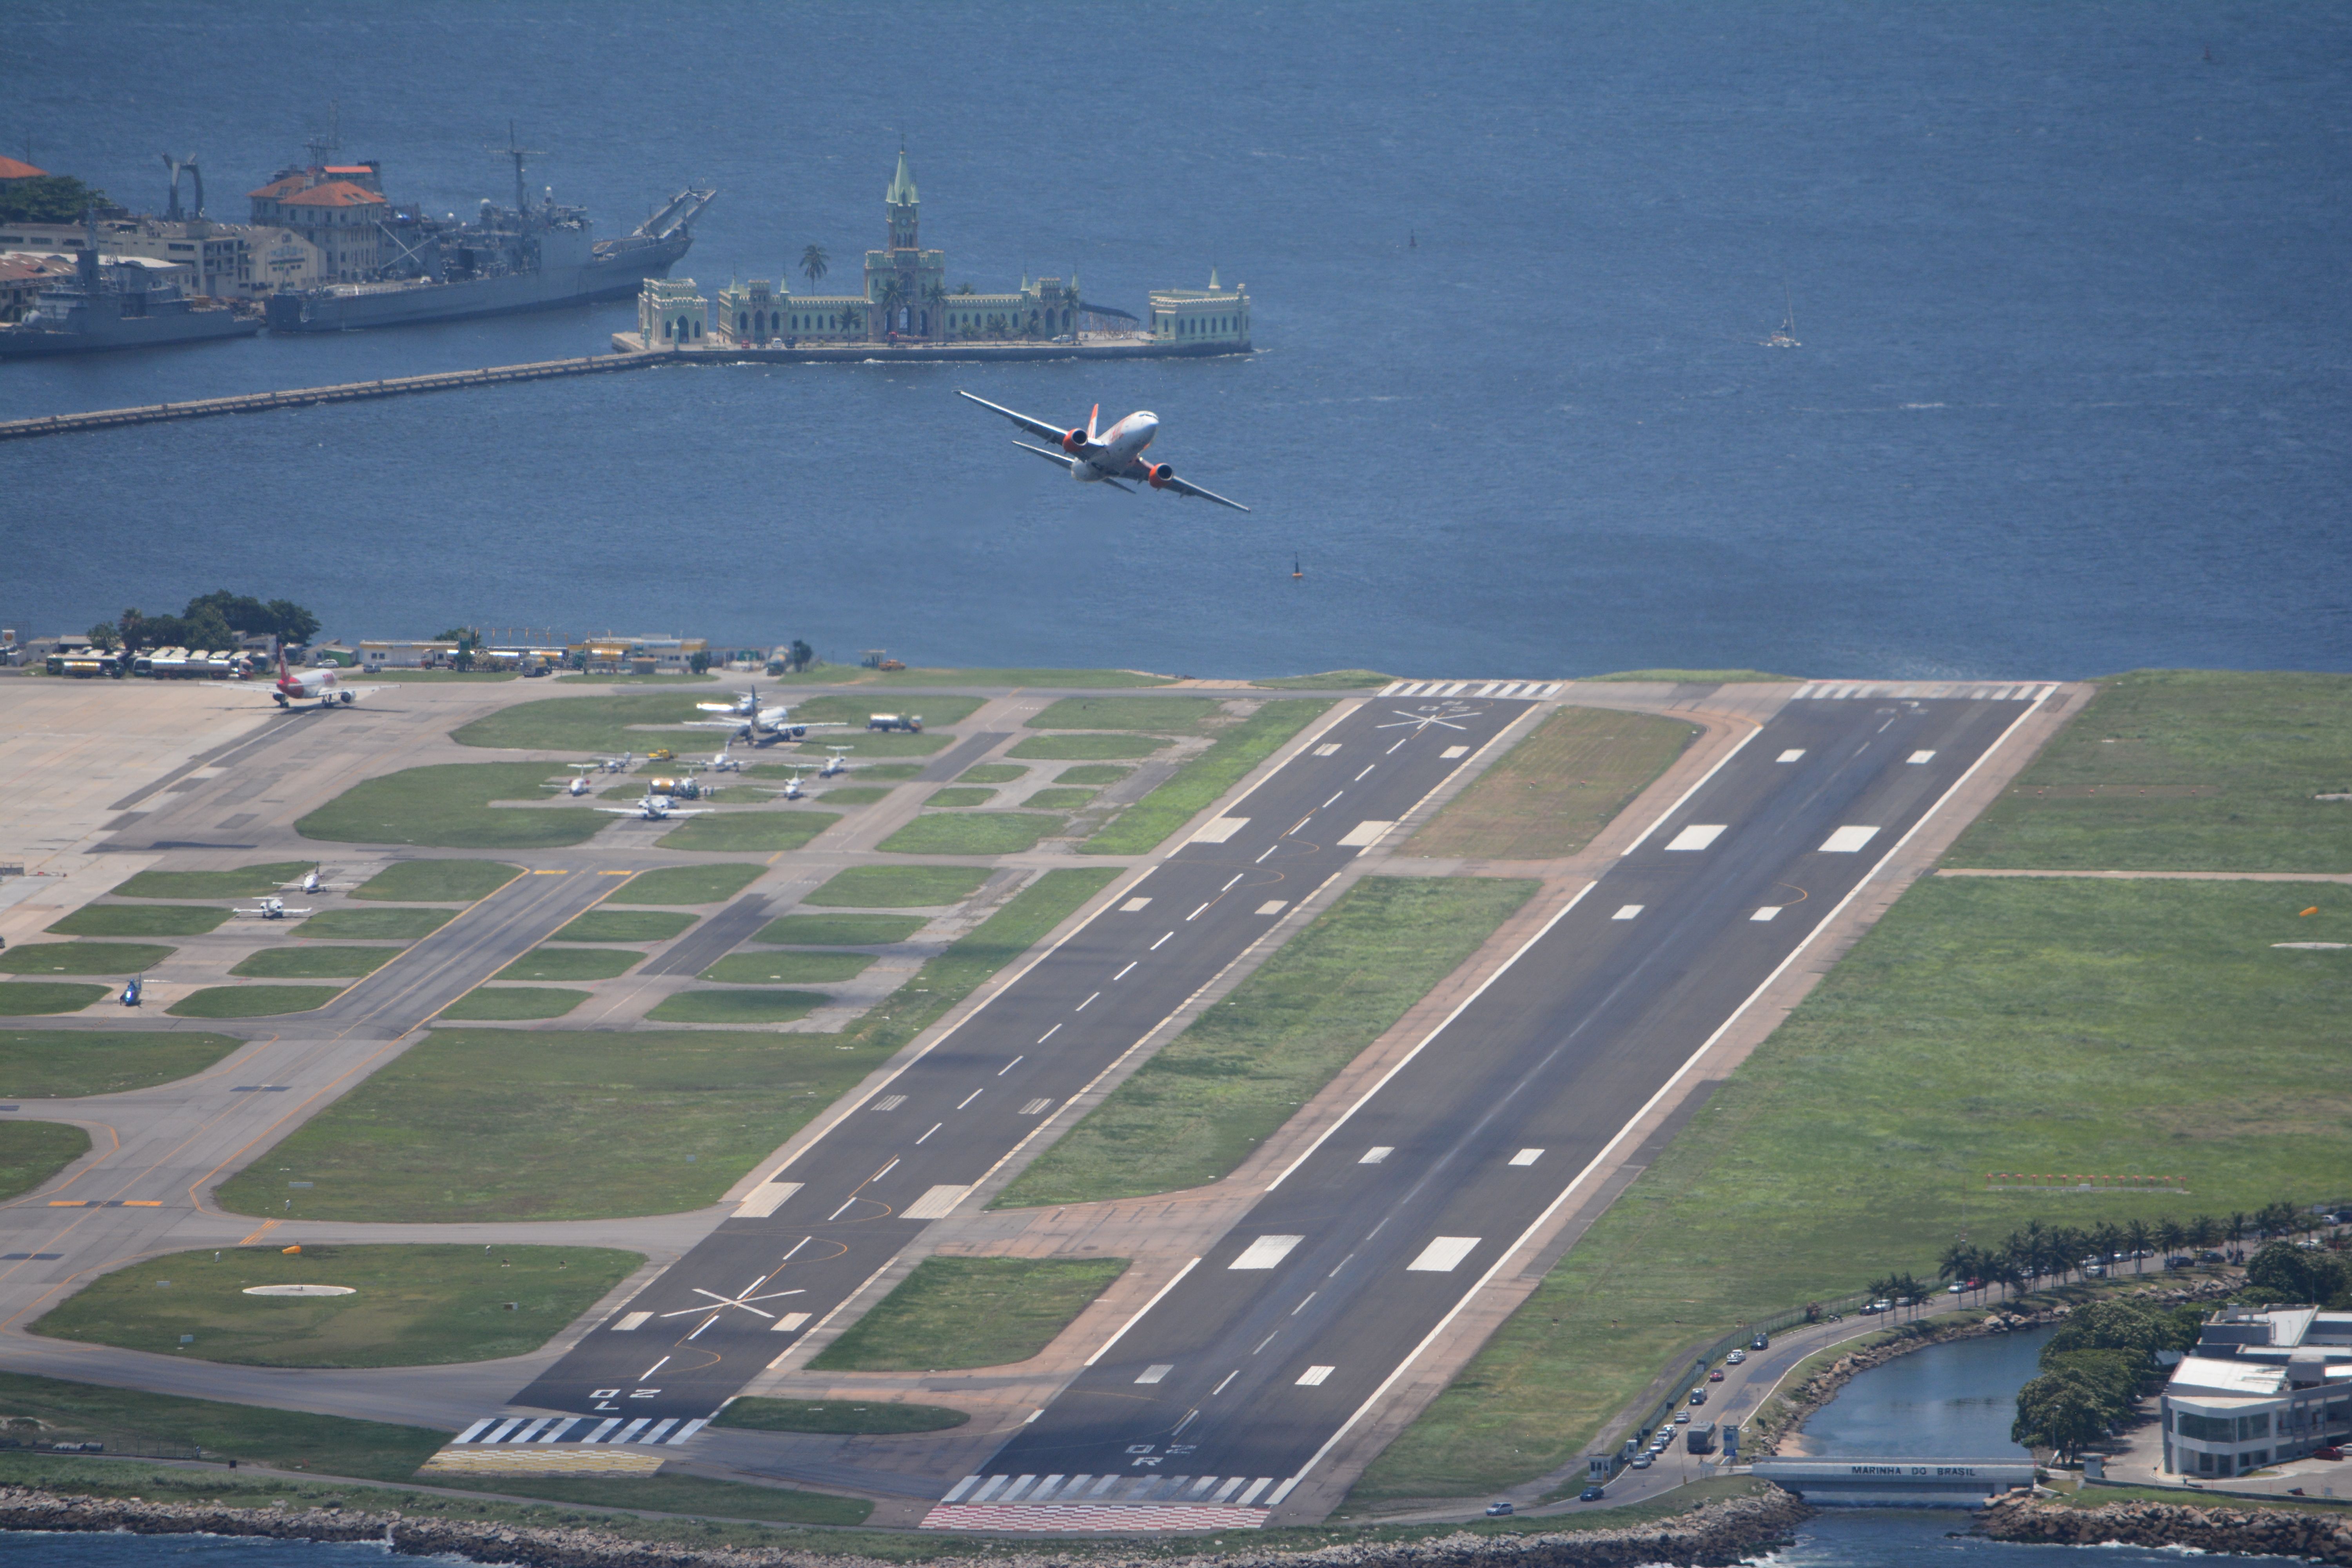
(813,264)
(894,296)
(935,296)
(2136,1234)
(2237,1227)
(2107,1241)
(2169,1236)
(2204,1231)
(1958,1263)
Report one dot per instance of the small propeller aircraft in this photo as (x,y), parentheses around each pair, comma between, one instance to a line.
(750,721)
(609,763)
(653,808)
(722,762)
(271,908)
(310,882)
(1104,457)
(577,785)
(837,764)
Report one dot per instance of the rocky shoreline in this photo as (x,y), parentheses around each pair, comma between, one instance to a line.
(1710,1536)
(2233,1531)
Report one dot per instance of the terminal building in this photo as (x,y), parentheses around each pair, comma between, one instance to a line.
(2260,1388)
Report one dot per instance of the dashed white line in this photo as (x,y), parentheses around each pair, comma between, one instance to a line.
(1016,1061)
(1155,946)
(1079,1008)
(1196,913)
(1300,823)
(1327,805)
(1302,1306)
(1131,965)
(1228,1378)
(885,1169)
(1261,1345)
(1401,741)
(1360,777)
(653,1369)
(935,1127)
(1269,850)
(975,1094)
(1041,1040)
(1229,886)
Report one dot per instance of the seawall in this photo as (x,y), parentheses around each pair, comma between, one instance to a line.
(2233,1531)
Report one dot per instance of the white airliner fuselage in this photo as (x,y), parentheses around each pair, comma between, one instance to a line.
(1112,456)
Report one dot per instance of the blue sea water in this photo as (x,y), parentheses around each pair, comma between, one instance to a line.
(2069,279)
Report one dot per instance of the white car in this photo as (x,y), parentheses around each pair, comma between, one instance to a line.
(1734,1358)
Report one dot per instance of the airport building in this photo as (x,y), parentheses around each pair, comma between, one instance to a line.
(2260,1388)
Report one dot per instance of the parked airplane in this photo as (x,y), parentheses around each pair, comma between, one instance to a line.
(836,764)
(608,763)
(653,808)
(754,723)
(720,762)
(577,785)
(1106,457)
(320,686)
(311,884)
(271,909)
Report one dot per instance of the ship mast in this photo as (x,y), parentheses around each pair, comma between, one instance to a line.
(517,151)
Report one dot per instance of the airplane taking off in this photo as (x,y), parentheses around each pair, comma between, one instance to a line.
(653,808)
(1106,457)
(320,686)
(271,909)
(754,723)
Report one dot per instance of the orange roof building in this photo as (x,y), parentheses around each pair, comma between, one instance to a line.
(10,169)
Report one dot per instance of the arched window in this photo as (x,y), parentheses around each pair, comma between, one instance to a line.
(742,323)
(697,328)
(665,329)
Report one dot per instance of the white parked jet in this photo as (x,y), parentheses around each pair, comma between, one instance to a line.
(754,723)
(837,764)
(1106,457)
(320,686)
(577,785)
(271,909)
(653,808)
(722,762)
(310,882)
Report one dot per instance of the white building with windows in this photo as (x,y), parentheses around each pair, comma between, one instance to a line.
(672,313)
(1211,315)
(2260,1388)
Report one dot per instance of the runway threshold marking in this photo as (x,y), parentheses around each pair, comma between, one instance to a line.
(1266,1252)
(1697,836)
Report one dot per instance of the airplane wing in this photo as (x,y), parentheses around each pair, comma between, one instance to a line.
(1035,426)
(1066,462)
(624,810)
(737,725)
(1183,487)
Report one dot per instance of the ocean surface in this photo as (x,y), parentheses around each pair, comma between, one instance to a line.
(2069,280)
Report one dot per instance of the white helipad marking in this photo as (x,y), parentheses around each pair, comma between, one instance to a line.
(1266,1252)
(1627,913)
(1274,906)
(1314,1375)
(1920,757)
(1768,912)
(1155,1371)
(1364,835)
(764,1200)
(1218,831)
(1376,1153)
(935,1203)
(1697,836)
(1527,1156)
(632,1321)
(1132,905)
(1443,1254)
(1328,749)
(1846,840)
(788,1322)
(1791,754)
(1452,752)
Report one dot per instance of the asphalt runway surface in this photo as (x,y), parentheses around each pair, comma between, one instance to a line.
(1231,1386)
(821,1226)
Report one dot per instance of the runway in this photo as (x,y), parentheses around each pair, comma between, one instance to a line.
(918,1143)
(1231,1387)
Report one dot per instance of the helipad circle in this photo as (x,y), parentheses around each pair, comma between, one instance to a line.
(300,1290)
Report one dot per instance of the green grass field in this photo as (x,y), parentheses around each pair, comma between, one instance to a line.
(507,1004)
(1694,677)
(245,882)
(82,958)
(1081,748)
(1059,799)
(853,794)
(832,674)
(314,963)
(1555,788)
(898,886)
(411,1306)
(437,882)
(62,1064)
(740,1008)
(864,773)
(2184,770)
(376,925)
(141,920)
(774,968)
(873,1419)
(252,1001)
(33,1151)
(1196,1109)
(32,998)
(742,831)
(987,832)
(624,925)
(598,723)
(2117,1028)
(130,1419)
(871,744)
(1161,715)
(959,796)
(1093,774)
(569,964)
(953,1313)
(992,773)
(449,806)
(1200,782)
(1329,680)
(937,712)
(839,930)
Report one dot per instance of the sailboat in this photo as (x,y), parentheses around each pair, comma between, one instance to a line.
(1786,337)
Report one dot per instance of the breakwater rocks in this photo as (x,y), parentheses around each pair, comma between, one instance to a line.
(1714,1534)
(2239,1532)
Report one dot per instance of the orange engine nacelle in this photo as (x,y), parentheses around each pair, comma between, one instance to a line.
(1076,441)
(1159,473)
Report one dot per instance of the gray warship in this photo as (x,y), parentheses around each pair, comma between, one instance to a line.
(117,305)
(530,257)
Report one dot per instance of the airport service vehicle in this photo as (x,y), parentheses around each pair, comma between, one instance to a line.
(750,721)
(1106,457)
(130,992)
(320,686)
(1700,1438)
(652,808)
(271,909)
(1499,1510)
(912,723)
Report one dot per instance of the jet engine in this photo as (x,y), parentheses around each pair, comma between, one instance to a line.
(1085,473)
(1159,473)
(1073,441)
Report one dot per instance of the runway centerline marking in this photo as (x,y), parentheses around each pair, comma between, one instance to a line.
(653,1369)
(1265,1341)
(968,1099)
(935,1127)
(1079,1008)
(1229,886)
(1228,1378)
(1302,1305)
(1327,805)
(1044,1037)
(1196,913)
(1360,777)
(1155,946)
(1122,973)
(1016,1061)
(1300,823)
(1264,853)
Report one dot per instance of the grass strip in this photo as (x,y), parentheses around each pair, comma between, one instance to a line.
(568,964)
(855,794)
(1200,782)
(598,723)
(1195,1111)
(1083,748)
(953,1313)
(992,773)
(744,831)
(1329,680)
(959,797)
(737,1008)
(1161,715)
(787,968)
(314,963)
(252,1001)
(1694,677)
(379,925)
(437,882)
(503,1004)
(141,920)
(1096,773)
(1555,789)
(33,1151)
(838,1415)
(245,882)
(82,958)
(130,1420)
(64,1064)
(1981,1025)
(412,1305)
(31,998)
(2195,770)
(839,930)
(451,806)
(624,925)
(935,709)
(987,832)
(1059,799)
(898,886)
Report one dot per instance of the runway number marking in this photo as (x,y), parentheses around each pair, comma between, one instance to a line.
(1792,755)
(1132,905)
(1527,1156)
(1378,1152)
(1035,1107)
(1443,1254)
(1266,1252)
(1314,1375)
(1628,912)
(1768,912)
(1697,836)
(1846,840)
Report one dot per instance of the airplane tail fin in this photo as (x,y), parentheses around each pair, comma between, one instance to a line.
(1092,414)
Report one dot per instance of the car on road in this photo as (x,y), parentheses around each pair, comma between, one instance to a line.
(1761,1342)
(1499,1510)
(1641,1461)
(1590,1494)
(1699,1396)
(1681,1416)
(1734,1358)
(1714,1376)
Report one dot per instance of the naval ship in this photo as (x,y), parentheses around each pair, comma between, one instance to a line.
(116,306)
(529,257)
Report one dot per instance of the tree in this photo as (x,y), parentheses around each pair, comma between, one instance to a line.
(105,637)
(47,198)
(814,264)
(2284,1272)
(894,297)
(1958,1264)
(2237,1227)
(698,662)
(2204,1231)
(802,655)
(2055,1412)
(2169,1236)
(2107,1241)
(2135,1237)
